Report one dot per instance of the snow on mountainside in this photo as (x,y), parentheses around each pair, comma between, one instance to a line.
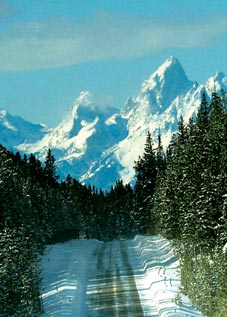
(158,91)
(82,137)
(15,130)
(164,98)
(99,146)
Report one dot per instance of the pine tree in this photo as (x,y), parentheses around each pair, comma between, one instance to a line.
(165,202)
(189,201)
(19,274)
(50,168)
(160,158)
(35,168)
(119,201)
(146,174)
(202,117)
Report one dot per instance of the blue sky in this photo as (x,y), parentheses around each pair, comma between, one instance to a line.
(50,50)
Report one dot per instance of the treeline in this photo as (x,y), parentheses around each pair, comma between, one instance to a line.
(186,200)
(32,210)
(98,214)
(180,193)
(36,209)
(190,202)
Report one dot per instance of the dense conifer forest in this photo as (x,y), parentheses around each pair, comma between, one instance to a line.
(180,193)
(190,204)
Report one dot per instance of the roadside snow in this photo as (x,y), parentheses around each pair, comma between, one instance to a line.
(130,278)
(225,248)
(65,273)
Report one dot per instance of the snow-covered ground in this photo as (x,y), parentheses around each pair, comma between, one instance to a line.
(126,278)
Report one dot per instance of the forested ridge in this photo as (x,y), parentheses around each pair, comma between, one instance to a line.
(180,193)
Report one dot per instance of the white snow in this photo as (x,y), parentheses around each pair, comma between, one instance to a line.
(159,73)
(132,278)
(87,133)
(4,121)
(111,120)
(225,248)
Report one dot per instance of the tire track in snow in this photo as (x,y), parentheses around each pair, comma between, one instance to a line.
(114,291)
(102,291)
(134,278)
(133,304)
(100,288)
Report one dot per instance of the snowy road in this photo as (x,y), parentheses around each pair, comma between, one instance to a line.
(132,278)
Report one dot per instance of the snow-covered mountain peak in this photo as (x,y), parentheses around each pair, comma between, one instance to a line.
(85,98)
(85,103)
(170,63)
(98,144)
(171,68)
(165,84)
(5,120)
(14,130)
(216,82)
(88,105)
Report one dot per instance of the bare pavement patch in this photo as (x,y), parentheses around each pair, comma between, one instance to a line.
(122,278)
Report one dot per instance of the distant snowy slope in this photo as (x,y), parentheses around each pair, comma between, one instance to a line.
(100,146)
(166,96)
(82,137)
(133,278)
(15,130)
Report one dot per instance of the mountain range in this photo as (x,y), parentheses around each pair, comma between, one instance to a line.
(100,146)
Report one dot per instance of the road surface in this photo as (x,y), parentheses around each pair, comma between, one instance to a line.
(122,278)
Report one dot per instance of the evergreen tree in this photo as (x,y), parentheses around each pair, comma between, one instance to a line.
(160,158)
(50,169)
(120,205)
(146,173)
(19,274)
(189,200)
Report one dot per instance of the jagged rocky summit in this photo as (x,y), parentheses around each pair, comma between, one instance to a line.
(100,146)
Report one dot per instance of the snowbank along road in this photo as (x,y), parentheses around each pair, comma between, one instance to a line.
(123,278)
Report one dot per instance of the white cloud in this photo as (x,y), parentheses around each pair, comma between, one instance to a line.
(50,44)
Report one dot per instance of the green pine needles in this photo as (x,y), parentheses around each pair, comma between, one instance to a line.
(190,204)
(181,194)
